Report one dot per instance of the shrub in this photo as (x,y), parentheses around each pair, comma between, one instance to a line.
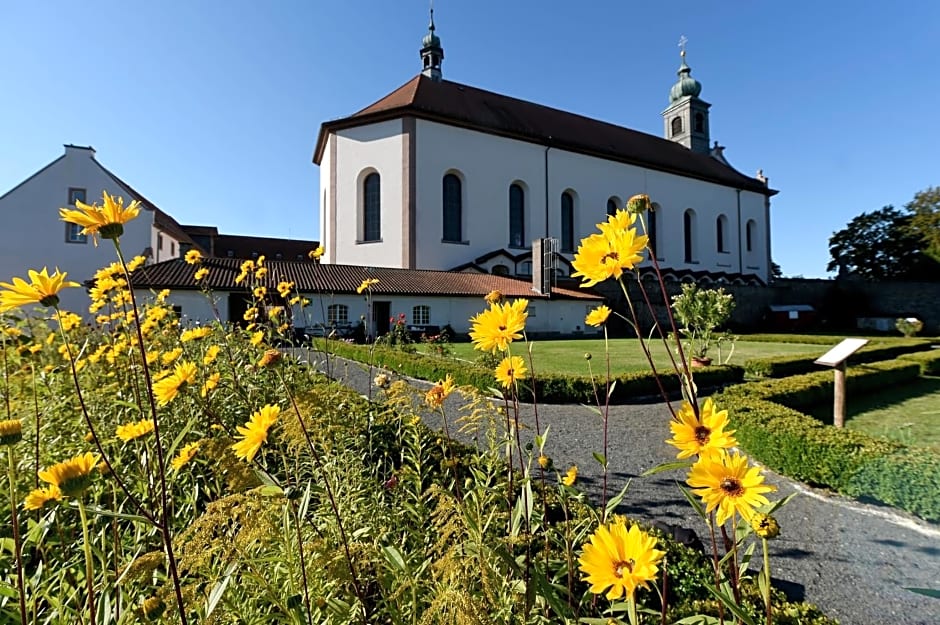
(909,326)
(783,366)
(701,312)
(929,361)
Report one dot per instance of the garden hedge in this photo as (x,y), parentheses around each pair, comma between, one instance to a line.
(846,461)
(929,361)
(875,351)
(552,389)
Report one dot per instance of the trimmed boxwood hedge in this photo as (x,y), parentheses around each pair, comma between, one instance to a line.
(846,461)
(875,351)
(929,361)
(552,389)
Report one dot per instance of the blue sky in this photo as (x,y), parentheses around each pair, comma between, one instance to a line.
(211,108)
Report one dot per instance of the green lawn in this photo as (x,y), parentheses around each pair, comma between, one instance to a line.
(567,356)
(909,413)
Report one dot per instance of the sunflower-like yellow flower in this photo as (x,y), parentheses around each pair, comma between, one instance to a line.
(571,476)
(136,263)
(194,334)
(168,358)
(72,476)
(269,357)
(254,433)
(725,482)
(260,292)
(107,220)
(211,353)
(193,257)
(200,274)
(510,369)
(209,385)
(598,316)
(257,338)
(493,297)
(129,431)
(316,253)
(765,525)
(439,392)
(11,431)
(39,497)
(693,435)
(187,453)
(260,272)
(608,254)
(498,326)
(166,389)
(620,560)
(366,284)
(284,288)
(69,321)
(250,314)
(41,289)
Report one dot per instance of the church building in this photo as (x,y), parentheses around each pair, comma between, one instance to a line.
(446,176)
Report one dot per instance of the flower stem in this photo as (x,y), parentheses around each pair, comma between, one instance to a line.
(17,546)
(766,573)
(89,564)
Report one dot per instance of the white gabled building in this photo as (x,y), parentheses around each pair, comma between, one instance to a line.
(437,174)
(34,236)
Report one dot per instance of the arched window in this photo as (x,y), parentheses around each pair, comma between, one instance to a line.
(421,315)
(612,206)
(516,216)
(453,208)
(652,225)
(721,233)
(337,313)
(749,233)
(699,122)
(500,270)
(688,231)
(371,208)
(567,222)
(676,126)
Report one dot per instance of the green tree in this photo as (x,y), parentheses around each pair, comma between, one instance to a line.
(924,223)
(881,245)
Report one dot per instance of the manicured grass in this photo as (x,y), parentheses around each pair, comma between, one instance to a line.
(567,356)
(909,413)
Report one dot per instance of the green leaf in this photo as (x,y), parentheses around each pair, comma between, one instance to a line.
(927,592)
(616,499)
(601,458)
(219,589)
(668,466)
(731,605)
(393,556)
(695,503)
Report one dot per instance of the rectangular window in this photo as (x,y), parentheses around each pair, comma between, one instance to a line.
(73,234)
(159,241)
(337,314)
(172,249)
(76,194)
(421,315)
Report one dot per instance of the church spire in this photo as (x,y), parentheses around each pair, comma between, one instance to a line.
(686,117)
(432,54)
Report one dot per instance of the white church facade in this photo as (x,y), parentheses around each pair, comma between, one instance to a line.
(439,175)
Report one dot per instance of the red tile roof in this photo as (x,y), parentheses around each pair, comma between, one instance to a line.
(461,105)
(313,277)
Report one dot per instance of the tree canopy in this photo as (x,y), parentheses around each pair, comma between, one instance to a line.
(891,243)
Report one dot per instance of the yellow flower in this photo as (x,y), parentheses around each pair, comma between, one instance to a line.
(170,357)
(41,289)
(619,559)
(250,314)
(167,388)
(39,497)
(269,357)
(211,382)
(381,380)
(193,257)
(257,337)
(194,334)
(284,288)
(11,431)
(73,476)
(184,456)
(498,326)
(162,295)
(316,253)
(510,369)
(247,266)
(598,316)
(571,476)
(261,272)
(693,435)
(255,432)
(200,274)
(367,284)
(439,392)
(69,321)
(240,277)
(260,292)
(136,263)
(260,261)
(211,354)
(765,525)
(724,481)
(545,462)
(130,431)
(607,255)
(108,220)
(493,297)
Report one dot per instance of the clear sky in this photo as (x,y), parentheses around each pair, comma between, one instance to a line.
(211,108)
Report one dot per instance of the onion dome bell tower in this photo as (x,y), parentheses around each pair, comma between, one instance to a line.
(432,54)
(685,120)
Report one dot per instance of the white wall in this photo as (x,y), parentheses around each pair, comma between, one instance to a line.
(34,237)
(375,147)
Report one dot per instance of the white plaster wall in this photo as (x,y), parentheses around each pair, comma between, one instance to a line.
(326,239)
(33,236)
(489,164)
(379,147)
(170,248)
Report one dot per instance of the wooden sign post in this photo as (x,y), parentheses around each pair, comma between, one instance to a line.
(836,358)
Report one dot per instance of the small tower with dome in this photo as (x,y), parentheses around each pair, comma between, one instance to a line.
(432,54)
(685,120)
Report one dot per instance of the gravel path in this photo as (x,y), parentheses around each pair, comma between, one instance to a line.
(852,560)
